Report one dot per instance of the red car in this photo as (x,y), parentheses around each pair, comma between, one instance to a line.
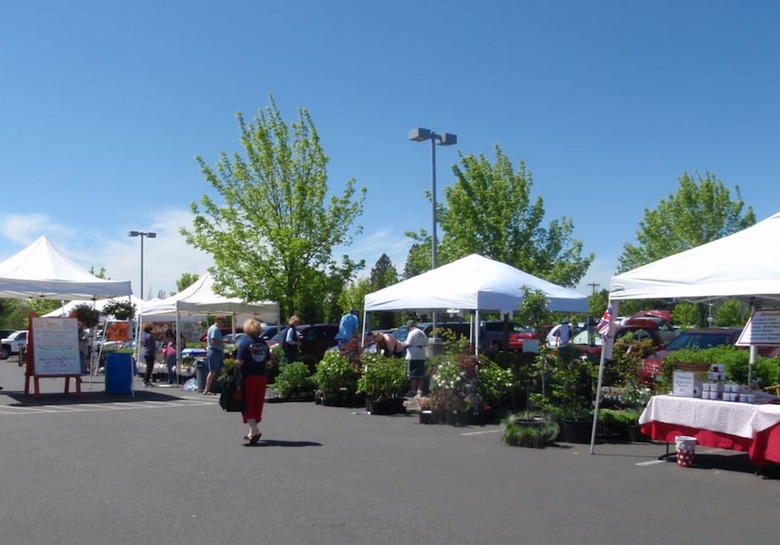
(516,339)
(693,338)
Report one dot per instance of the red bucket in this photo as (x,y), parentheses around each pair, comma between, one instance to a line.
(686,449)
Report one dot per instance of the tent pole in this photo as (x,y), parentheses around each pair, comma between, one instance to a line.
(476,332)
(606,348)
(177,344)
(363,337)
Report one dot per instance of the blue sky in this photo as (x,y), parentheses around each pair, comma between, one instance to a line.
(104,106)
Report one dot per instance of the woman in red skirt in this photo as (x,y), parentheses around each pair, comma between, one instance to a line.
(251,357)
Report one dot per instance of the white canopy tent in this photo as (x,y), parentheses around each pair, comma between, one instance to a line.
(200,299)
(473,283)
(743,265)
(41,271)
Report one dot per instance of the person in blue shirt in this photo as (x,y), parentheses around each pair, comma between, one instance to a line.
(215,352)
(252,358)
(347,327)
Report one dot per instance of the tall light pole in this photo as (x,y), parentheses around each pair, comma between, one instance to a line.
(446,139)
(142,234)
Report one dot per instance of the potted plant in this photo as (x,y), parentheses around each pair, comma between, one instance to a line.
(454,395)
(336,379)
(521,432)
(495,387)
(119,309)
(568,395)
(382,381)
(294,382)
(87,315)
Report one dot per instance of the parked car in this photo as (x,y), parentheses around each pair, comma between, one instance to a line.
(316,339)
(581,343)
(5,333)
(225,331)
(492,336)
(10,344)
(517,338)
(691,339)
(665,329)
(550,336)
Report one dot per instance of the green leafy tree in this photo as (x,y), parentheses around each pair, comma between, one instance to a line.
(354,295)
(701,211)
(418,260)
(533,308)
(43,306)
(598,302)
(273,229)
(489,210)
(186,280)
(685,315)
(382,275)
(14,313)
(732,313)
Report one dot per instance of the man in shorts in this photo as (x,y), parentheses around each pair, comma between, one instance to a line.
(215,352)
(415,344)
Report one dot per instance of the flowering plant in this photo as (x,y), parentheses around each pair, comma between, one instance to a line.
(454,385)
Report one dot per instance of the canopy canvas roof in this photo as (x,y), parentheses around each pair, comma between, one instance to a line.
(41,271)
(201,299)
(472,283)
(743,265)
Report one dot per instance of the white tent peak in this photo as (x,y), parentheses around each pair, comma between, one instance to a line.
(41,270)
(473,282)
(201,299)
(42,260)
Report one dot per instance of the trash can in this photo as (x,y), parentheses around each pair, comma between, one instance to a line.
(201,370)
(119,373)
(686,447)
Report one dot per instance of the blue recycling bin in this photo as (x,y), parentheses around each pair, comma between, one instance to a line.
(119,373)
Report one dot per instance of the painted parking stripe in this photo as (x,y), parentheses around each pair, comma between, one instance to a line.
(98,407)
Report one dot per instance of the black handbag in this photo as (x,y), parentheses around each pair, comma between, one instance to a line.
(232,397)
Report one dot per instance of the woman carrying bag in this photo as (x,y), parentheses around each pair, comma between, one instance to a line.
(251,357)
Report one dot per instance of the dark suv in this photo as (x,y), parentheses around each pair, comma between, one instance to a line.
(317,338)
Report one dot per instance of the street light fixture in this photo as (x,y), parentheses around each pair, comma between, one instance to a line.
(142,234)
(446,139)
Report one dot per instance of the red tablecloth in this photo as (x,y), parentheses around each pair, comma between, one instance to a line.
(762,447)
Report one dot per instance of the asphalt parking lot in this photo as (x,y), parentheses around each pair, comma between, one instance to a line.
(170,467)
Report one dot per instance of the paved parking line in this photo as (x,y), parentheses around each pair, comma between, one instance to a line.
(480,432)
(97,407)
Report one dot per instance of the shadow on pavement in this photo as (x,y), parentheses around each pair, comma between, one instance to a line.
(91,397)
(726,462)
(275,443)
